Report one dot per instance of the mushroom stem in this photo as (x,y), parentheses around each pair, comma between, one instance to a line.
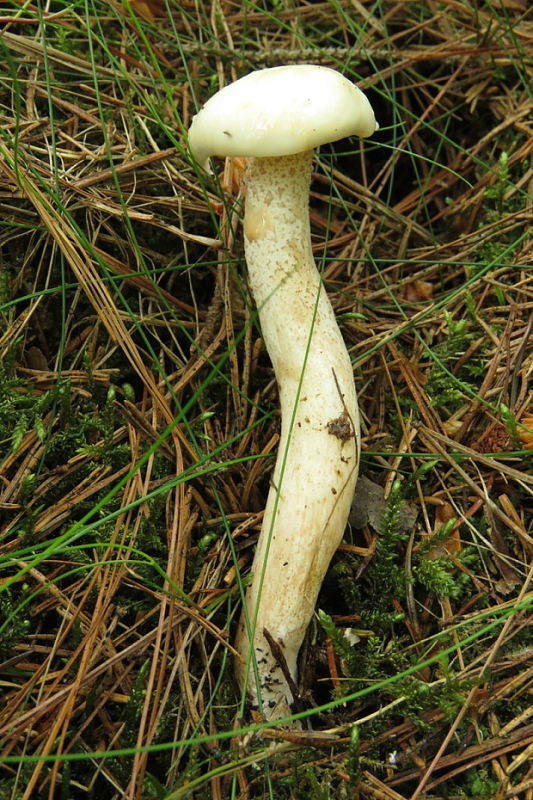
(316,469)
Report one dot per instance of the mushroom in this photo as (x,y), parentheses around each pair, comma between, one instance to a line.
(276,117)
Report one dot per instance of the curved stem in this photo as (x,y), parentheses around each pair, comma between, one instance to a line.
(316,469)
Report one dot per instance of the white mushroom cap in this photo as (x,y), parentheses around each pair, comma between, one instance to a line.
(279,112)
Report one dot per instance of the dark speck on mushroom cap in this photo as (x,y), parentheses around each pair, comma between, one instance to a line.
(280,111)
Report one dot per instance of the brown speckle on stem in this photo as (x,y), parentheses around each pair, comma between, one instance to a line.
(341,427)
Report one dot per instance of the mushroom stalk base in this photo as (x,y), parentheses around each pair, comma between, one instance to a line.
(316,469)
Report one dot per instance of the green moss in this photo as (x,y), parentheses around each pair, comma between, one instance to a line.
(386,573)
(14,625)
(476,784)
(435,575)
(445,387)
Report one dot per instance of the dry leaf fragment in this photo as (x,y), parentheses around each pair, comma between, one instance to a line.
(526,436)
(36,359)
(147,9)
(419,290)
(452,426)
(369,505)
(511,5)
(231,179)
(452,544)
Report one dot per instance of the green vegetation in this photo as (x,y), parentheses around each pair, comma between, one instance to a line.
(139,416)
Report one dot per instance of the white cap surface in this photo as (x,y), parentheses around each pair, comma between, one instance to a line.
(279,112)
